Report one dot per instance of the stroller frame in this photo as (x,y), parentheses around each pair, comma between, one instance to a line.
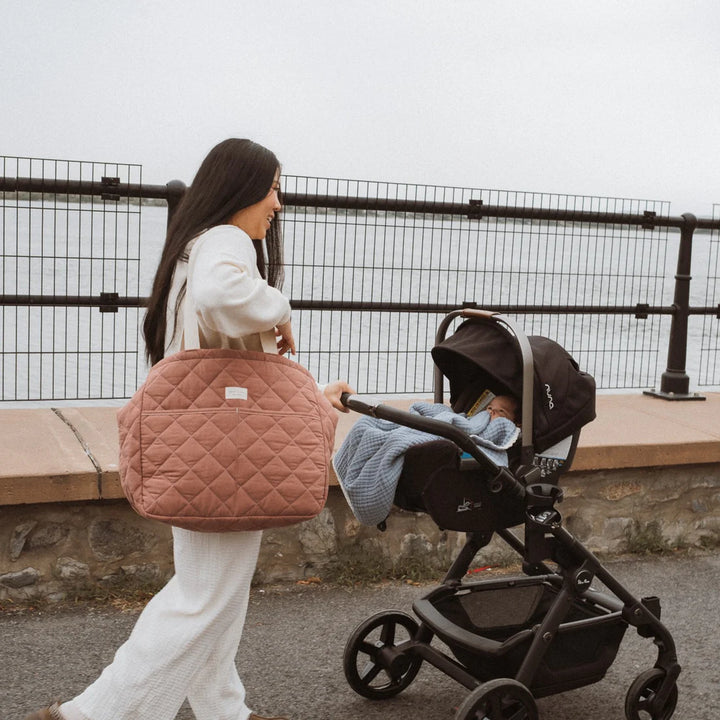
(506,668)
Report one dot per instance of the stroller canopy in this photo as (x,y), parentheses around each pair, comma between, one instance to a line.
(484,355)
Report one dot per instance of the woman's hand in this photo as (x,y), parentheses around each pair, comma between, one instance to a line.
(334,390)
(286,341)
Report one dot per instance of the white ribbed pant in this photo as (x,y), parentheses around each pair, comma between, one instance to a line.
(185,641)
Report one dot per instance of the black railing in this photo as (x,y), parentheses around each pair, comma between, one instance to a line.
(370,266)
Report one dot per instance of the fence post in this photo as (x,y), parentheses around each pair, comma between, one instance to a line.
(175,192)
(674,382)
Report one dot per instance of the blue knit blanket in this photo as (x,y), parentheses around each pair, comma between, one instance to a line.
(370,460)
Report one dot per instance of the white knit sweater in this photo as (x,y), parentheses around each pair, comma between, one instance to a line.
(235,307)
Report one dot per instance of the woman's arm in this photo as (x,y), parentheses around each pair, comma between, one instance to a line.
(286,339)
(334,390)
(228,293)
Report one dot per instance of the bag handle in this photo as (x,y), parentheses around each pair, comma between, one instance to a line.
(191,332)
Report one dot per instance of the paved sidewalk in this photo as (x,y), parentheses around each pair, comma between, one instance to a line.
(291,654)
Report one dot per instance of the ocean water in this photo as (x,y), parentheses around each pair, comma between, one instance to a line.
(52,353)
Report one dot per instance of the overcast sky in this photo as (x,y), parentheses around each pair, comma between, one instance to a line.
(597,97)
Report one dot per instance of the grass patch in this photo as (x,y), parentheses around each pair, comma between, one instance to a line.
(646,539)
(354,566)
(126,597)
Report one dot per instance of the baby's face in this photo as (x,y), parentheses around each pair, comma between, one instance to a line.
(501,407)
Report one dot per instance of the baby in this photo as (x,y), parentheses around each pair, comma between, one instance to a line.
(503,406)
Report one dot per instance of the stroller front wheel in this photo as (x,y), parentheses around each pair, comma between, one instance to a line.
(640,698)
(500,699)
(376,664)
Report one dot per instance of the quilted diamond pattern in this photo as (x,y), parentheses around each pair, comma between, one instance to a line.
(197,459)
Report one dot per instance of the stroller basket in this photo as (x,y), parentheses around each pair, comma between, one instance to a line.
(489,628)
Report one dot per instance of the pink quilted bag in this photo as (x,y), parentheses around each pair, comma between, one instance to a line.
(226,440)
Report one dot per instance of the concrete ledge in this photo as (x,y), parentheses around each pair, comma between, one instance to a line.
(71,453)
(647,472)
(97,426)
(634,431)
(42,460)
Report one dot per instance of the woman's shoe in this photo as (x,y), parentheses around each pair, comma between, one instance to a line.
(53,713)
(49,713)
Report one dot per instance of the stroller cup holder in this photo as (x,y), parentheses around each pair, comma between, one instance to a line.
(541,518)
(541,499)
(543,495)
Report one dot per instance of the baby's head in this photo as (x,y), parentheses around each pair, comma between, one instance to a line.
(503,406)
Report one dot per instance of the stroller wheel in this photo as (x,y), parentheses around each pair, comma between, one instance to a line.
(376,664)
(640,697)
(501,699)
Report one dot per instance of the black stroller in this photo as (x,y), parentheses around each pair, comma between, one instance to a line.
(516,638)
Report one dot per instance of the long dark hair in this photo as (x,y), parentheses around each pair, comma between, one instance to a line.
(234,175)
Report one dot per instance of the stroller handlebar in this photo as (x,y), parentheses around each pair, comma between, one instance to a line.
(501,476)
(477,312)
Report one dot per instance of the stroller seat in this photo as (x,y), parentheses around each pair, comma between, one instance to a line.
(453,491)
(480,360)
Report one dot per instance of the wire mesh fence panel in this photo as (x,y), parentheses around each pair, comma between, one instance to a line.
(709,339)
(69,244)
(371,268)
(379,352)
(442,261)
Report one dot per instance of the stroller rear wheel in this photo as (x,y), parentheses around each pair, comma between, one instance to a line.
(500,699)
(375,663)
(641,694)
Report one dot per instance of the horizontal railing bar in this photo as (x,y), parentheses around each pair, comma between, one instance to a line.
(91,187)
(63,353)
(707,224)
(354,305)
(174,190)
(480,211)
(71,301)
(520,309)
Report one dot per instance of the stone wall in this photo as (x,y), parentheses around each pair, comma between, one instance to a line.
(605,508)
(55,549)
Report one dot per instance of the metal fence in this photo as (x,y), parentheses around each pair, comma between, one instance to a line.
(371,268)
(709,357)
(61,251)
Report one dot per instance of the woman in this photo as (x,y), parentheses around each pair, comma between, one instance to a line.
(185,641)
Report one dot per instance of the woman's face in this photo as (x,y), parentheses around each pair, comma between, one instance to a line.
(255,219)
